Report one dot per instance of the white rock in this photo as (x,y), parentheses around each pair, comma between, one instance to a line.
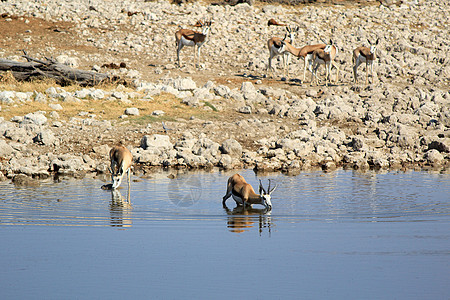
(433,156)
(5,149)
(184,84)
(132,111)
(157,141)
(248,87)
(158,113)
(245,109)
(97,94)
(82,93)
(35,118)
(7,97)
(231,147)
(55,106)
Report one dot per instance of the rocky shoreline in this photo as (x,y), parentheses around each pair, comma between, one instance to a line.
(400,121)
(31,144)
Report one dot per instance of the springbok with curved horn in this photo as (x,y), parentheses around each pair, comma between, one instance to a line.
(276,47)
(367,55)
(244,194)
(325,57)
(121,161)
(187,37)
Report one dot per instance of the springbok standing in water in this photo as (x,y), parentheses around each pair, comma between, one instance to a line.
(121,161)
(244,194)
(367,55)
(187,37)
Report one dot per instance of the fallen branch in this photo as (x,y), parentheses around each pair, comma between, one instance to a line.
(62,74)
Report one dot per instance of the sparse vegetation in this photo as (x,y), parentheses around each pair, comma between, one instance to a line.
(107,109)
(209,104)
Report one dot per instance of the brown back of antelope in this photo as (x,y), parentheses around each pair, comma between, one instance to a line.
(324,56)
(244,194)
(364,54)
(121,161)
(188,37)
(240,187)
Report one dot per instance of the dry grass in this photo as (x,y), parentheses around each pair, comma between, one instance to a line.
(105,109)
(9,83)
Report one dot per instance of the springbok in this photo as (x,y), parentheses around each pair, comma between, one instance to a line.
(121,161)
(276,47)
(244,194)
(273,22)
(367,55)
(187,37)
(324,57)
(304,52)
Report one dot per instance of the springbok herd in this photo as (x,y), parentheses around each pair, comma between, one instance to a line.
(312,55)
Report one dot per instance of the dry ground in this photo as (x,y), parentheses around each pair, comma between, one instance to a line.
(42,38)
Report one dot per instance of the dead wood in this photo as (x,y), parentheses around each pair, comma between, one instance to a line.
(49,68)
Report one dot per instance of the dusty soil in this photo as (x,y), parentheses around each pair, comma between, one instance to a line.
(42,38)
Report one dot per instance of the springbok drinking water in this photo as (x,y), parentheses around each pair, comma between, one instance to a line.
(244,194)
(121,161)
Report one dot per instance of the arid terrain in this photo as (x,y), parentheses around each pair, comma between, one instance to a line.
(227,112)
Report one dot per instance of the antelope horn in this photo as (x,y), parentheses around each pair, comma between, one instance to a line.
(271,191)
(261,187)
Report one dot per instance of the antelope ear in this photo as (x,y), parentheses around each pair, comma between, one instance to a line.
(370,43)
(376,43)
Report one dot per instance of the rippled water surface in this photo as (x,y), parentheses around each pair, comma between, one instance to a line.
(340,235)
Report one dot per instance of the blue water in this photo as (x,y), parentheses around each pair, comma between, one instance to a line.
(339,235)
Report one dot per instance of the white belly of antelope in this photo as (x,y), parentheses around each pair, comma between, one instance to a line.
(361,59)
(309,61)
(276,50)
(187,42)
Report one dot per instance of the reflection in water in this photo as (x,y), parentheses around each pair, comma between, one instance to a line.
(386,234)
(185,191)
(241,219)
(120,209)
